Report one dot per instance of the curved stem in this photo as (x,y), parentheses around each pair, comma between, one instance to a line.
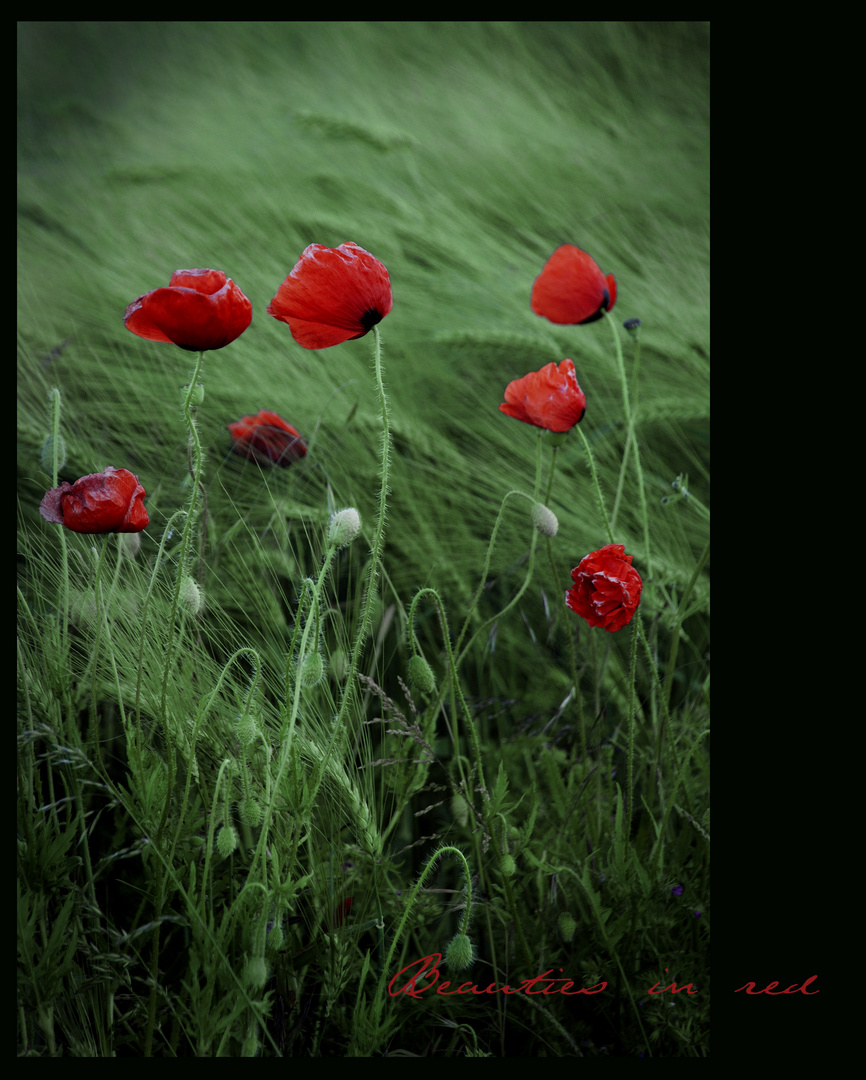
(598,495)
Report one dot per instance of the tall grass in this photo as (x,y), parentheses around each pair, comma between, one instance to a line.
(195,805)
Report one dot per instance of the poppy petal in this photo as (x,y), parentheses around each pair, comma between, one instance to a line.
(199,310)
(267,439)
(110,501)
(571,289)
(549,398)
(607,588)
(333,295)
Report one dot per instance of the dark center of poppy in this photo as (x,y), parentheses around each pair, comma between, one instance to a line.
(370,317)
(605,305)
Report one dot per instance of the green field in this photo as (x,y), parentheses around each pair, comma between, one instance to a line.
(567,766)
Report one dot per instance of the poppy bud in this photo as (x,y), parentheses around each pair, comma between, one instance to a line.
(246,728)
(250,812)
(312,669)
(460,953)
(344,527)
(46,457)
(130,544)
(197,395)
(508,865)
(191,596)
(338,665)
(251,1045)
(460,810)
(256,972)
(421,674)
(276,937)
(227,840)
(544,520)
(567,926)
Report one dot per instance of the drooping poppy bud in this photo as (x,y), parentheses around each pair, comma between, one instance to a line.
(460,953)
(544,519)
(421,674)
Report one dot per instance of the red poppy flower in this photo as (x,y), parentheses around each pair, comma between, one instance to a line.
(571,289)
(109,501)
(340,913)
(199,310)
(607,588)
(267,439)
(549,398)
(333,295)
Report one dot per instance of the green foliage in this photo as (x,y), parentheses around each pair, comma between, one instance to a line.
(220,744)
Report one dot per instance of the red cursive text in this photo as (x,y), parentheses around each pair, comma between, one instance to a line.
(770,988)
(674,989)
(428,968)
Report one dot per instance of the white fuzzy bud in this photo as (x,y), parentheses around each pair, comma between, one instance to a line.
(344,527)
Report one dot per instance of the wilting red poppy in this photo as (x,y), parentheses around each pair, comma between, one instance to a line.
(571,289)
(340,913)
(109,501)
(607,588)
(333,295)
(549,398)
(199,310)
(267,439)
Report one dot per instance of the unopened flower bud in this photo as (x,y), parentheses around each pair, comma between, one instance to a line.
(46,457)
(544,520)
(344,527)
(197,394)
(227,840)
(421,674)
(130,544)
(567,925)
(256,972)
(508,865)
(338,665)
(246,728)
(191,596)
(250,812)
(460,810)
(460,953)
(275,937)
(312,669)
